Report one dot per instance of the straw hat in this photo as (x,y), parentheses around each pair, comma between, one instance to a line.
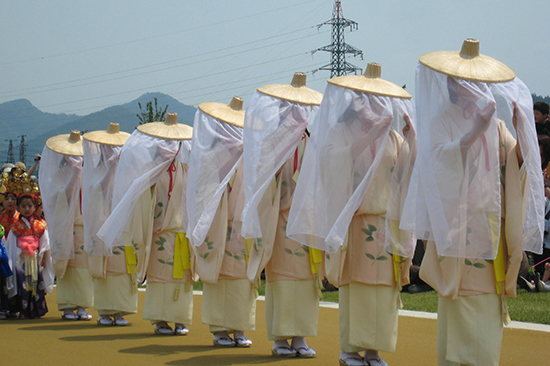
(232,113)
(69,144)
(468,64)
(169,129)
(112,136)
(296,91)
(370,82)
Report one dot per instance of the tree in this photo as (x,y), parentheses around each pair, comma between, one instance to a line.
(150,114)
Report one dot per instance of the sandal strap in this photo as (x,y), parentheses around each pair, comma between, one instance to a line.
(282,347)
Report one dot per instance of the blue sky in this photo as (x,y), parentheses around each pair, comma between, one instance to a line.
(83,56)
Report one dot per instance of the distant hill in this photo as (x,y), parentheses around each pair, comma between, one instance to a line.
(21,117)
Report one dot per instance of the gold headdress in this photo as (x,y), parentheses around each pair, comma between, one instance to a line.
(19,183)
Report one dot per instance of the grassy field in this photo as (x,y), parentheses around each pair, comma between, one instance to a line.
(527,307)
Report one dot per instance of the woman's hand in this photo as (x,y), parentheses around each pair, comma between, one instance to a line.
(408,124)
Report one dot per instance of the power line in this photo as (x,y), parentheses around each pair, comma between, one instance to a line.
(149,72)
(170,83)
(294,41)
(155,36)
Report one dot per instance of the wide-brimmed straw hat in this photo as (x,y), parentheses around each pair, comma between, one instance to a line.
(169,129)
(232,113)
(468,64)
(296,91)
(113,136)
(371,82)
(68,144)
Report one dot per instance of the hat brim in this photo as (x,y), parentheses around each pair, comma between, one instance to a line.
(62,144)
(163,130)
(479,68)
(224,113)
(368,85)
(107,138)
(300,95)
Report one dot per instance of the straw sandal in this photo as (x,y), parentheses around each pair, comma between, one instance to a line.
(376,362)
(304,352)
(84,316)
(163,329)
(243,342)
(69,315)
(105,320)
(181,329)
(120,321)
(223,341)
(283,351)
(352,361)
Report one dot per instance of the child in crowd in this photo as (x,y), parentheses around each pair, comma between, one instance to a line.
(29,253)
(5,272)
(7,218)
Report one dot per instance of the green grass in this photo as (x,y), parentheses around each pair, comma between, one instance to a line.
(527,307)
(424,301)
(530,307)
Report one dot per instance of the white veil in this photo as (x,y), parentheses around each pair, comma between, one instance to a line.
(60,181)
(347,137)
(216,152)
(100,163)
(142,161)
(455,199)
(273,128)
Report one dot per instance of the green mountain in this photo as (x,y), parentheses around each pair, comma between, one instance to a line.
(20,117)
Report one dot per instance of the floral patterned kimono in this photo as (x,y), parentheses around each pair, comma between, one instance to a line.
(457,280)
(293,271)
(163,253)
(229,299)
(364,271)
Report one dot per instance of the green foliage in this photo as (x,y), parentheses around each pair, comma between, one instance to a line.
(150,113)
(537,98)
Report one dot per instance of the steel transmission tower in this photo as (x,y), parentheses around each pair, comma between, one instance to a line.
(23,150)
(11,158)
(339,48)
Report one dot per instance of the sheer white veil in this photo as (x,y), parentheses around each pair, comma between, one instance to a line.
(455,199)
(100,164)
(348,136)
(60,179)
(142,161)
(273,128)
(217,149)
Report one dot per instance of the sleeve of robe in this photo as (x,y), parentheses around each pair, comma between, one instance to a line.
(515,207)
(45,254)
(141,231)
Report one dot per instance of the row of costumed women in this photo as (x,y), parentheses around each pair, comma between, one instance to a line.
(305,186)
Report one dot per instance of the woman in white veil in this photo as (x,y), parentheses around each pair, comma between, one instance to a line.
(150,217)
(60,183)
(274,142)
(355,169)
(115,290)
(476,195)
(213,189)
